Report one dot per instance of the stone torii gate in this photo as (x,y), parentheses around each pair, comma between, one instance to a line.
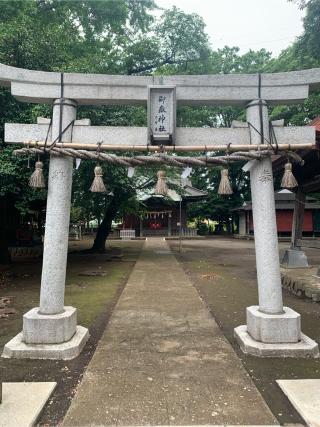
(51,331)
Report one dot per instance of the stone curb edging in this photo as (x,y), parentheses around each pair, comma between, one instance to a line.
(297,285)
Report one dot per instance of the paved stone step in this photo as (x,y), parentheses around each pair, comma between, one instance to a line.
(305,397)
(22,403)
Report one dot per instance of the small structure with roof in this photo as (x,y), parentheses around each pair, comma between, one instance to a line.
(285,204)
(161,214)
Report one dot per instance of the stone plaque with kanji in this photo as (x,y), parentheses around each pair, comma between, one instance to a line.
(161,114)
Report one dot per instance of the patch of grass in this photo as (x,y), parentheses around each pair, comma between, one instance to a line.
(92,294)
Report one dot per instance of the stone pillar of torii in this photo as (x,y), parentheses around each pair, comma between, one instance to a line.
(50,330)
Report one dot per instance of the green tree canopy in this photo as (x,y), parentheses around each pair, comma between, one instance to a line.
(124,37)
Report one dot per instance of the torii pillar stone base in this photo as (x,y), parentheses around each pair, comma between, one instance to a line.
(48,336)
(305,348)
(272,330)
(17,348)
(274,335)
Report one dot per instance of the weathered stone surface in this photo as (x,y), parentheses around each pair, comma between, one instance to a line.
(137,95)
(309,77)
(302,282)
(304,348)
(44,87)
(49,328)
(22,403)
(274,328)
(294,258)
(304,396)
(82,133)
(276,95)
(55,247)
(18,349)
(264,219)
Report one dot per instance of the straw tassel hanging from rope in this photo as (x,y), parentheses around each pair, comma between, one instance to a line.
(288,179)
(225,186)
(98,184)
(161,187)
(37,179)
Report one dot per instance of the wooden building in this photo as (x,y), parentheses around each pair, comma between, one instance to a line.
(285,204)
(161,215)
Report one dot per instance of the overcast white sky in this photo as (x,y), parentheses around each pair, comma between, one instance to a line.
(248,24)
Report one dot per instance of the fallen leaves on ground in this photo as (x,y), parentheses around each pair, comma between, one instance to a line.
(210,276)
(5,310)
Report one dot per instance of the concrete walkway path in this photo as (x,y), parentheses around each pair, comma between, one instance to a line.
(163,359)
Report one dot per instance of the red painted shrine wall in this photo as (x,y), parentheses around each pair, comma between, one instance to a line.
(285,217)
(284,220)
(130,221)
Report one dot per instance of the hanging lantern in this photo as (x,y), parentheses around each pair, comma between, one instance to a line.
(161,187)
(288,179)
(37,179)
(98,184)
(225,186)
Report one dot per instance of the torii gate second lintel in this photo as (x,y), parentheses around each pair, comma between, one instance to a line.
(51,331)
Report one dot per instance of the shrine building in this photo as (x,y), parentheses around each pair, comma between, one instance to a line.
(161,214)
(284,203)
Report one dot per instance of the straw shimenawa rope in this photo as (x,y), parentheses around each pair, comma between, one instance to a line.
(154,159)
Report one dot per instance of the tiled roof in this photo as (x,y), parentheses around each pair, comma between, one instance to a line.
(189,192)
(316,123)
(284,199)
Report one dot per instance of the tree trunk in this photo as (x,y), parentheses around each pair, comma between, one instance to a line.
(121,195)
(5,257)
(99,244)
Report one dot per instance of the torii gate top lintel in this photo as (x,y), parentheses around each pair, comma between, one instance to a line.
(103,89)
